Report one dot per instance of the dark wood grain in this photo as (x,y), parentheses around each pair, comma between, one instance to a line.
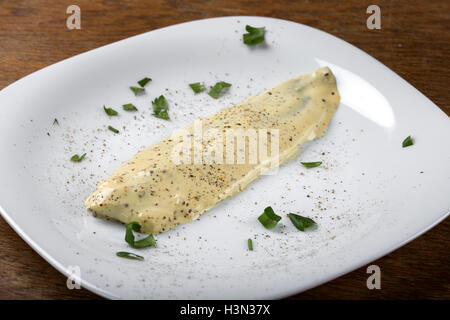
(414,42)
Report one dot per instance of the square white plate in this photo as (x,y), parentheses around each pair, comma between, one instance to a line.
(369,197)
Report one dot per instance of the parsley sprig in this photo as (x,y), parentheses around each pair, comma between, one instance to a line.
(149,241)
(160,108)
(197,87)
(144,81)
(311,164)
(269,219)
(300,222)
(254,35)
(77,158)
(216,91)
(137,91)
(110,111)
(407,142)
(129,107)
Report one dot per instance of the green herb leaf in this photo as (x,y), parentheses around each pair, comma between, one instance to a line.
(197,87)
(301,223)
(129,236)
(113,129)
(144,81)
(129,107)
(254,35)
(149,241)
(311,164)
(160,108)
(407,142)
(77,158)
(55,122)
(250,244)
(110,111)
(137,91)
(217,89)
(129,255)
(269,219)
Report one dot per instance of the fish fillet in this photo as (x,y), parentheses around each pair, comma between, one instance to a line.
(160,194)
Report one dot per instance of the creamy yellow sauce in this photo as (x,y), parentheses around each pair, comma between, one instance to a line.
(160,194)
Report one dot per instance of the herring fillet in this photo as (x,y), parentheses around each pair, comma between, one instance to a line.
(159,194)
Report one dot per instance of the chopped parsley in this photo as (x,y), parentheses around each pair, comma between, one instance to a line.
(217,89)
(197,87)
(160,108)
(110,111)
(311,164)
(129,255)
(254,35)
(269,219)
(407,142)
(144,81)
(301,223)
(149,241)
(129,107)
(77,158)
(250,244)
(113,129)
(137,91)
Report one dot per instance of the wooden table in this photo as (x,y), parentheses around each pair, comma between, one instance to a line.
(414,41)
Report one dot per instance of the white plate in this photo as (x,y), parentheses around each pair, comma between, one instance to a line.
(373,194)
